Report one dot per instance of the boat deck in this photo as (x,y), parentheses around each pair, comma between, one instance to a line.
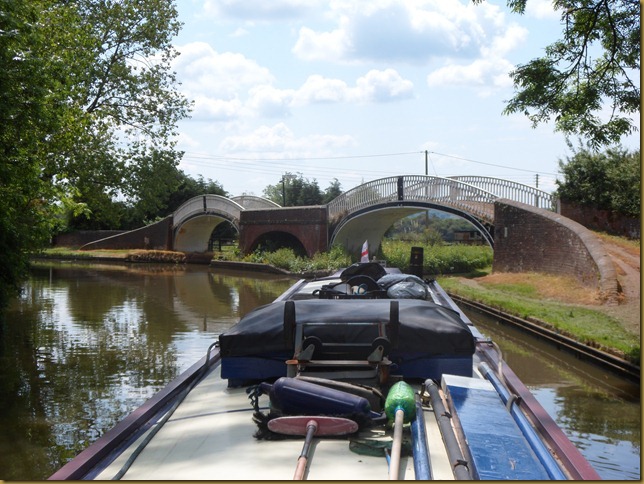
(201,430)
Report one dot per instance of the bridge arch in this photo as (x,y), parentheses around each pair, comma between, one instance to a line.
(194,221)
(277,239)
(390,199)
(371,224)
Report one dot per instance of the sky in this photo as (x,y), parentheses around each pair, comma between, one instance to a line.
(354,91)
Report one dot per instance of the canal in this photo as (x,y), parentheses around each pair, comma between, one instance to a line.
(85,344)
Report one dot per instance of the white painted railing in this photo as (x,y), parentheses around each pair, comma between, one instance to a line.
(251,202)
(207,204)
(513,191)
(442,191)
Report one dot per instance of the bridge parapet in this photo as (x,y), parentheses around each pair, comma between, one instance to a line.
(444,191)
(207,204)
(251,202)
(512,191)
(451,193)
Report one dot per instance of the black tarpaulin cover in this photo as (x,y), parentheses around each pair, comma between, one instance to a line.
(425,327)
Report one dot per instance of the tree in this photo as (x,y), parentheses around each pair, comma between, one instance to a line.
(88,110)
(111,60)
(294,190)
(174,188)
(596,64)
(607,181)
(333,191)
(25,120)
(191,187)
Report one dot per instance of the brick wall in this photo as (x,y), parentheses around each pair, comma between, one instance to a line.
(307,224)
(530,239)
(602,220)
(82,237)
(157,236)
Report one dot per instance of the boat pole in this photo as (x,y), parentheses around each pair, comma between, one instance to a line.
(459,464)
(310,427)
(400,405)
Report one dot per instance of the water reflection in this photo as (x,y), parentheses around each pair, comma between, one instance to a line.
(83,346)
(600,413)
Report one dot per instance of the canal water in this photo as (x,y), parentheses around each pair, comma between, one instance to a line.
(85,344)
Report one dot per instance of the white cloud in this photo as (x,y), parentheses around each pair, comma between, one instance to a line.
(259,9)
(311,45)
(228,86)
(216,109)
(279,141)
(507,40)
(408,31)
(204,70)
(318,89)
(487,72)
(216,80)
(482,73)
(469,43)
(239,32)
(383,86)
(270,102)
(376,86)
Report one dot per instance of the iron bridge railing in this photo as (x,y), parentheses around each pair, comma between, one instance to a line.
(474,195)
(513,191)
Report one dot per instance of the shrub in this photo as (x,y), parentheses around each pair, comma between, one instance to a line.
(439,259)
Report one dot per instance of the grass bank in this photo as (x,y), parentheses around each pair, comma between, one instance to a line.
(559,303)
(130,255)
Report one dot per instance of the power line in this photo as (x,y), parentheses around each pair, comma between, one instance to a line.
(277,166)
(346,157)
(490,164)
(304,158)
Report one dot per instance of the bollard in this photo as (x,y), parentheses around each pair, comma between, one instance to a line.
(416,262)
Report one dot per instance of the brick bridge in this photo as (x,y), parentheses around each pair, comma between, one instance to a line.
(520,222)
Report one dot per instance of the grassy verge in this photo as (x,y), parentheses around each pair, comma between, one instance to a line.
(531,296)
(66,252)
(132,255)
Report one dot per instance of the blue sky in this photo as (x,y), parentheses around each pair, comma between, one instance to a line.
(357,90)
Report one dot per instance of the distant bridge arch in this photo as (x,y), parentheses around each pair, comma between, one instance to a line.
(194,221)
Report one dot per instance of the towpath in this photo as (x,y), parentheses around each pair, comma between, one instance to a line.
(627,266)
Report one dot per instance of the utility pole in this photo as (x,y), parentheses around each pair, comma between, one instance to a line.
(426,158)
(286,176)
(537,178)
(283,192)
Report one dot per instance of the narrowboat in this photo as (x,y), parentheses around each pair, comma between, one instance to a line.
(367,374)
